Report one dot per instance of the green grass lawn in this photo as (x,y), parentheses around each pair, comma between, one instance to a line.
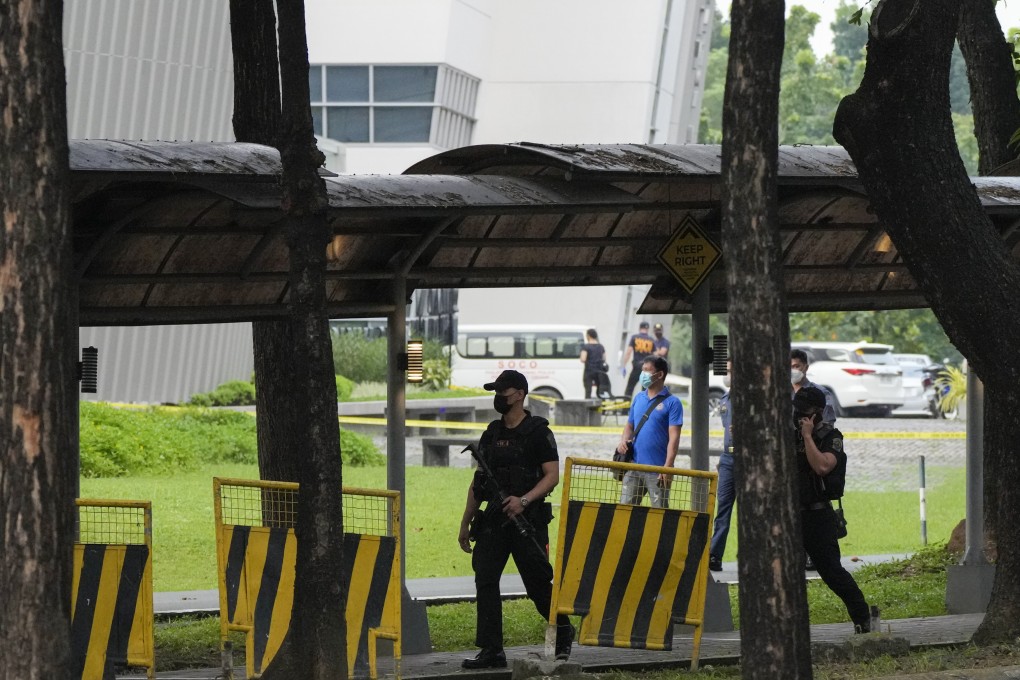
(884,522)
(184,550)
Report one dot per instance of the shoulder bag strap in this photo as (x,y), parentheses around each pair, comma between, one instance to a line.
(655,402)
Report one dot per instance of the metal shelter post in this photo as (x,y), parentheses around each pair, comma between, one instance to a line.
(969,584)
(974,553)
(699,380)
(718,616)
(396,405)
(415,637)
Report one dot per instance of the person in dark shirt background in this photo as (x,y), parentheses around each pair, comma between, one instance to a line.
(639,347)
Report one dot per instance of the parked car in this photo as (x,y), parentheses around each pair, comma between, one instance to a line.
(918,386)
(863,377)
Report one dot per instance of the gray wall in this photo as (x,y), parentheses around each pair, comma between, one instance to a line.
(148,69)
(155,70)
(158,364)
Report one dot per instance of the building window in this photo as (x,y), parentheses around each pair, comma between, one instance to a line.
(406,104)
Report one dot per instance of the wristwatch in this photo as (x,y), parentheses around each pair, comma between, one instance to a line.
(524,501)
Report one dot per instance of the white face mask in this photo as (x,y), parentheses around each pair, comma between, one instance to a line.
(796,376)
(726,381)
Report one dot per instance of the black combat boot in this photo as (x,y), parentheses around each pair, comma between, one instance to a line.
(487,658)
(564,641)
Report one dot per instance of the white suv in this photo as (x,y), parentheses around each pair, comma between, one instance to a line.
(863,377)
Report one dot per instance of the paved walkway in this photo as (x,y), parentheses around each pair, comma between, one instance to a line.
(716,648)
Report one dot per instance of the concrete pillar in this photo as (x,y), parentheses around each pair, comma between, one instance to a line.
(414,637)
(969,584)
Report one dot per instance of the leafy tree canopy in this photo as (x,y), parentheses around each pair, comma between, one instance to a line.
(812,86)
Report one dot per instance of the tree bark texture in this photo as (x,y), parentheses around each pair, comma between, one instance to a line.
(317,638)
(898,130)
(775,640)
(38,406)
(257,119)
(996,118)
(992,82)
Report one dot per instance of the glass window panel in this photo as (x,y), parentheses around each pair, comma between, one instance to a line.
(405,83)
(315,83)
(402,124)
(347,124)
(317,119)
(347,83)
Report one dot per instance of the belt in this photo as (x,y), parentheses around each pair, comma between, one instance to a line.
(820,505)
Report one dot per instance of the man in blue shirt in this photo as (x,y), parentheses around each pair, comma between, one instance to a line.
(657,441)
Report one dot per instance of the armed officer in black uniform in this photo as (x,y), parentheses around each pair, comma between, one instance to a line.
(520,450)
(821,465)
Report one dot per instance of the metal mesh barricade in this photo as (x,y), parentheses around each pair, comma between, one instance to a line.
(111,597)
(632,556)
(256,549)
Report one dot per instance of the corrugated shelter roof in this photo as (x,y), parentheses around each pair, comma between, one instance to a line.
(172,233)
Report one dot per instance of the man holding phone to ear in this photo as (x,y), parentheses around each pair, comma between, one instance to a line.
(821,463)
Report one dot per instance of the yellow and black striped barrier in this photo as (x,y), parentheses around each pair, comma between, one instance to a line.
(111,596)
(632,571)
(256,550)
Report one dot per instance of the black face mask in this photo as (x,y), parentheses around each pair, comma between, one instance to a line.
(501,403)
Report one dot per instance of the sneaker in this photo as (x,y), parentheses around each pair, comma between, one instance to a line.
(564,642)
(487,658)
(809,564)
(862,628)
(714,563)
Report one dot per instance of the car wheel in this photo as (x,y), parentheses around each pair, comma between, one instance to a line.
(713,402)
(836,406)
(547,392)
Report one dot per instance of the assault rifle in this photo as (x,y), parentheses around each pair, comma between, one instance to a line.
(520,522)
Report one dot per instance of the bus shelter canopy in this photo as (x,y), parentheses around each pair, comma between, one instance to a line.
(168,232)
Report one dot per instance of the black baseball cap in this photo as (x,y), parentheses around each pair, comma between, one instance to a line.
(808,399)
(643,324)
(506,380)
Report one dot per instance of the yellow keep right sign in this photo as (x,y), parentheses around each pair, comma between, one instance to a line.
(689,254)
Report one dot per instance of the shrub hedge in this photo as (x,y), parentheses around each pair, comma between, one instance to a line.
(232,393)
(242,393)
(157,440)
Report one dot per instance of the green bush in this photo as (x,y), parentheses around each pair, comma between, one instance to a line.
(436,374)
(359,358)
(357,450)
(344,387)
(116,442)
(232,393)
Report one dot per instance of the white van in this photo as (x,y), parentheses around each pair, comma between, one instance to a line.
(548,355)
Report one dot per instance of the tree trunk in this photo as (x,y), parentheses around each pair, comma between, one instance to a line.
(39,338)
(898,130)
(775,641)
(996,118)
(992,80)
(317,640)
(257,119)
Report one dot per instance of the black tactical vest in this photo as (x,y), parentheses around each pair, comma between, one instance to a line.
(504,451)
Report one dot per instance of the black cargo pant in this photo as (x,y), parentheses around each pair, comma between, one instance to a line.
(821,545)
(493,546)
